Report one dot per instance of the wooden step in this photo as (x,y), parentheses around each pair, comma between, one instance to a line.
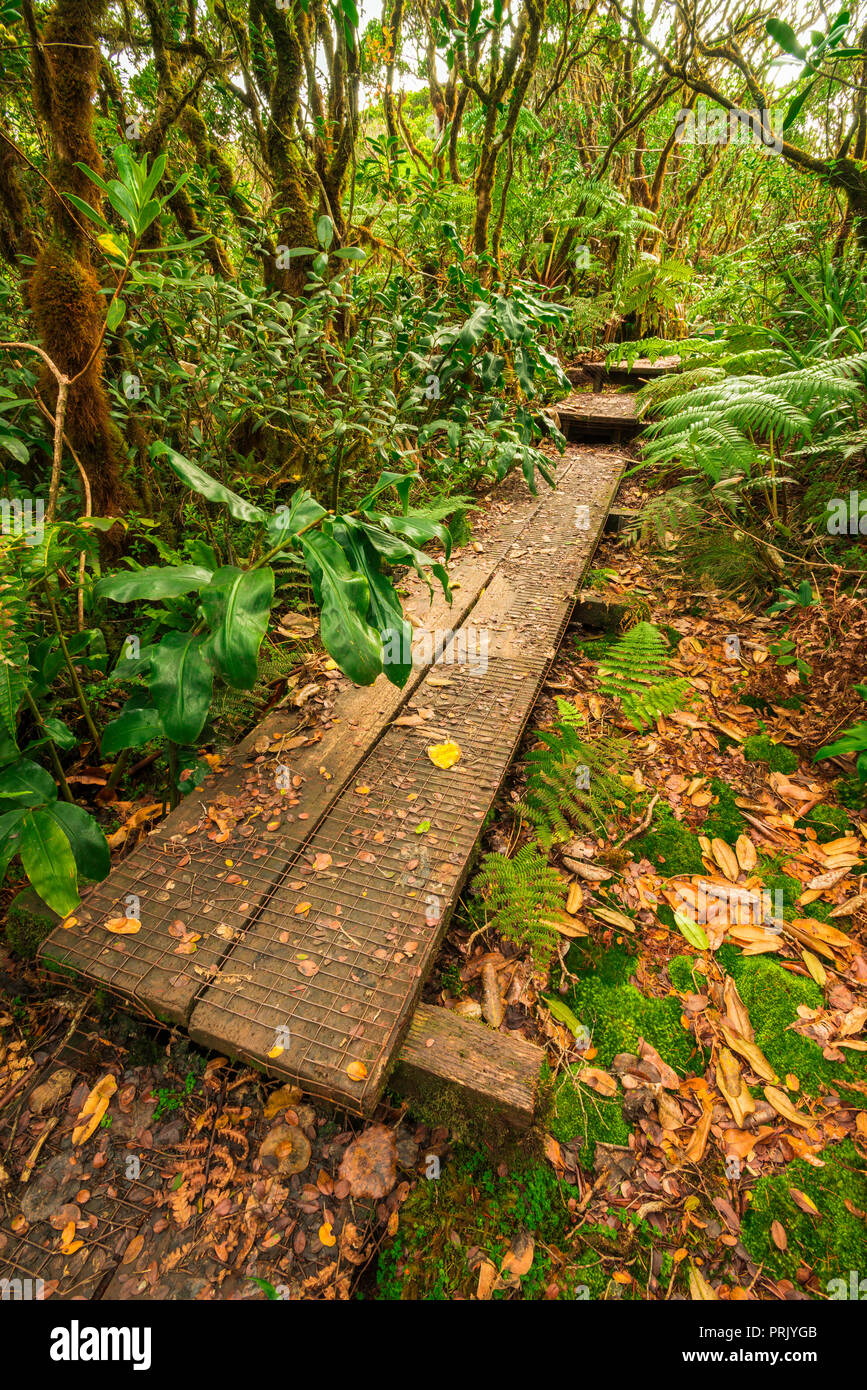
(498,1073)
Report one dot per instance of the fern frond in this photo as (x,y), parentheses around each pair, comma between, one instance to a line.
(635,670)
(520,895)
(572,783)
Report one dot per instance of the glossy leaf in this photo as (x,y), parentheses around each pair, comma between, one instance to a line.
(237,605)
(181,684)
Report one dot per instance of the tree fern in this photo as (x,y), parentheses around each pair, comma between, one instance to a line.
(636,670)
(13,653)
(520,895)
(572,783)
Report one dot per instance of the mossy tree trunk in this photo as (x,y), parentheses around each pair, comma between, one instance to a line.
(64,291)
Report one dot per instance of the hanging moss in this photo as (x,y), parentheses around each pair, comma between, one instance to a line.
(63,291)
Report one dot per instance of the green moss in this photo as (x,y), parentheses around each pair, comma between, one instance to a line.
(829,822)
(28,923)
(772,997)
(472,1206)
(619,1016)
(724,819)
(669,844)
(577,1111)
(851,792)
(759,748)
(832,1244)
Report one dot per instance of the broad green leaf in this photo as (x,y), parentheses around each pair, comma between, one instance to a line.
(385,612)
(786,37)
(156,581)
(303,510)
(10,837)
(695,934)
(181,683)
(343,597)
(131,729)
(26,783)
(89,848)
(237,605)
(564,1014)
(47,860)
(208,487)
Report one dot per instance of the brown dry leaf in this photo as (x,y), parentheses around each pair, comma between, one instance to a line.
(751,1053)
(736,1011)
(322,861)
(575,900)
(731,1084)
(805,1203)
(598,1081)
(783,1106)
(487,1279)
(699,1288)
(133,1250)
(815,967)
(519,1256)
(778,1235)
(281,1099)
(493,1007)
(694,1150)
(746,853)
(851,906)
(554,1153)
(614,918)
(93,1109)
(725,858)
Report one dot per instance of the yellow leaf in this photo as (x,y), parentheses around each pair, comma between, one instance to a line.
(444,755)
(276,1051)
(699,1288)
(93,1109)
(783,1106)
(326,1235)
(108,243)
(815,967)
(356,1071)
(123,926)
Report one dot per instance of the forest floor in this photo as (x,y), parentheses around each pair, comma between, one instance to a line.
(707,1139)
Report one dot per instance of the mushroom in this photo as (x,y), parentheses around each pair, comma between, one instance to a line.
(370,1163)
(286,1149)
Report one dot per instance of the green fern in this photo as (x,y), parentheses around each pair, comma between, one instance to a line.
(520,895)
(570,782)
(636,671)
(14,670)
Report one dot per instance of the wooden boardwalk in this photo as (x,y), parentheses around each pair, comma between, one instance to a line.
(609,416)
(608,373)
(291,911)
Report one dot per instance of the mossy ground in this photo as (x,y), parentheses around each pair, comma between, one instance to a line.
(28,923)
(833,1243)
(473,1207)
(759,748)
(772,996)
(617,1016)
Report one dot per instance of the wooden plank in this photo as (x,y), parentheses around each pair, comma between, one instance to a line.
(182,873)
(621,374)
(609,416)
(498,1072)
(322,985)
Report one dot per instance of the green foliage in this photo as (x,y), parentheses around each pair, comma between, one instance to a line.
(578,1112)
(519,895)
(636,671)
(472,1206)
(572,782)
